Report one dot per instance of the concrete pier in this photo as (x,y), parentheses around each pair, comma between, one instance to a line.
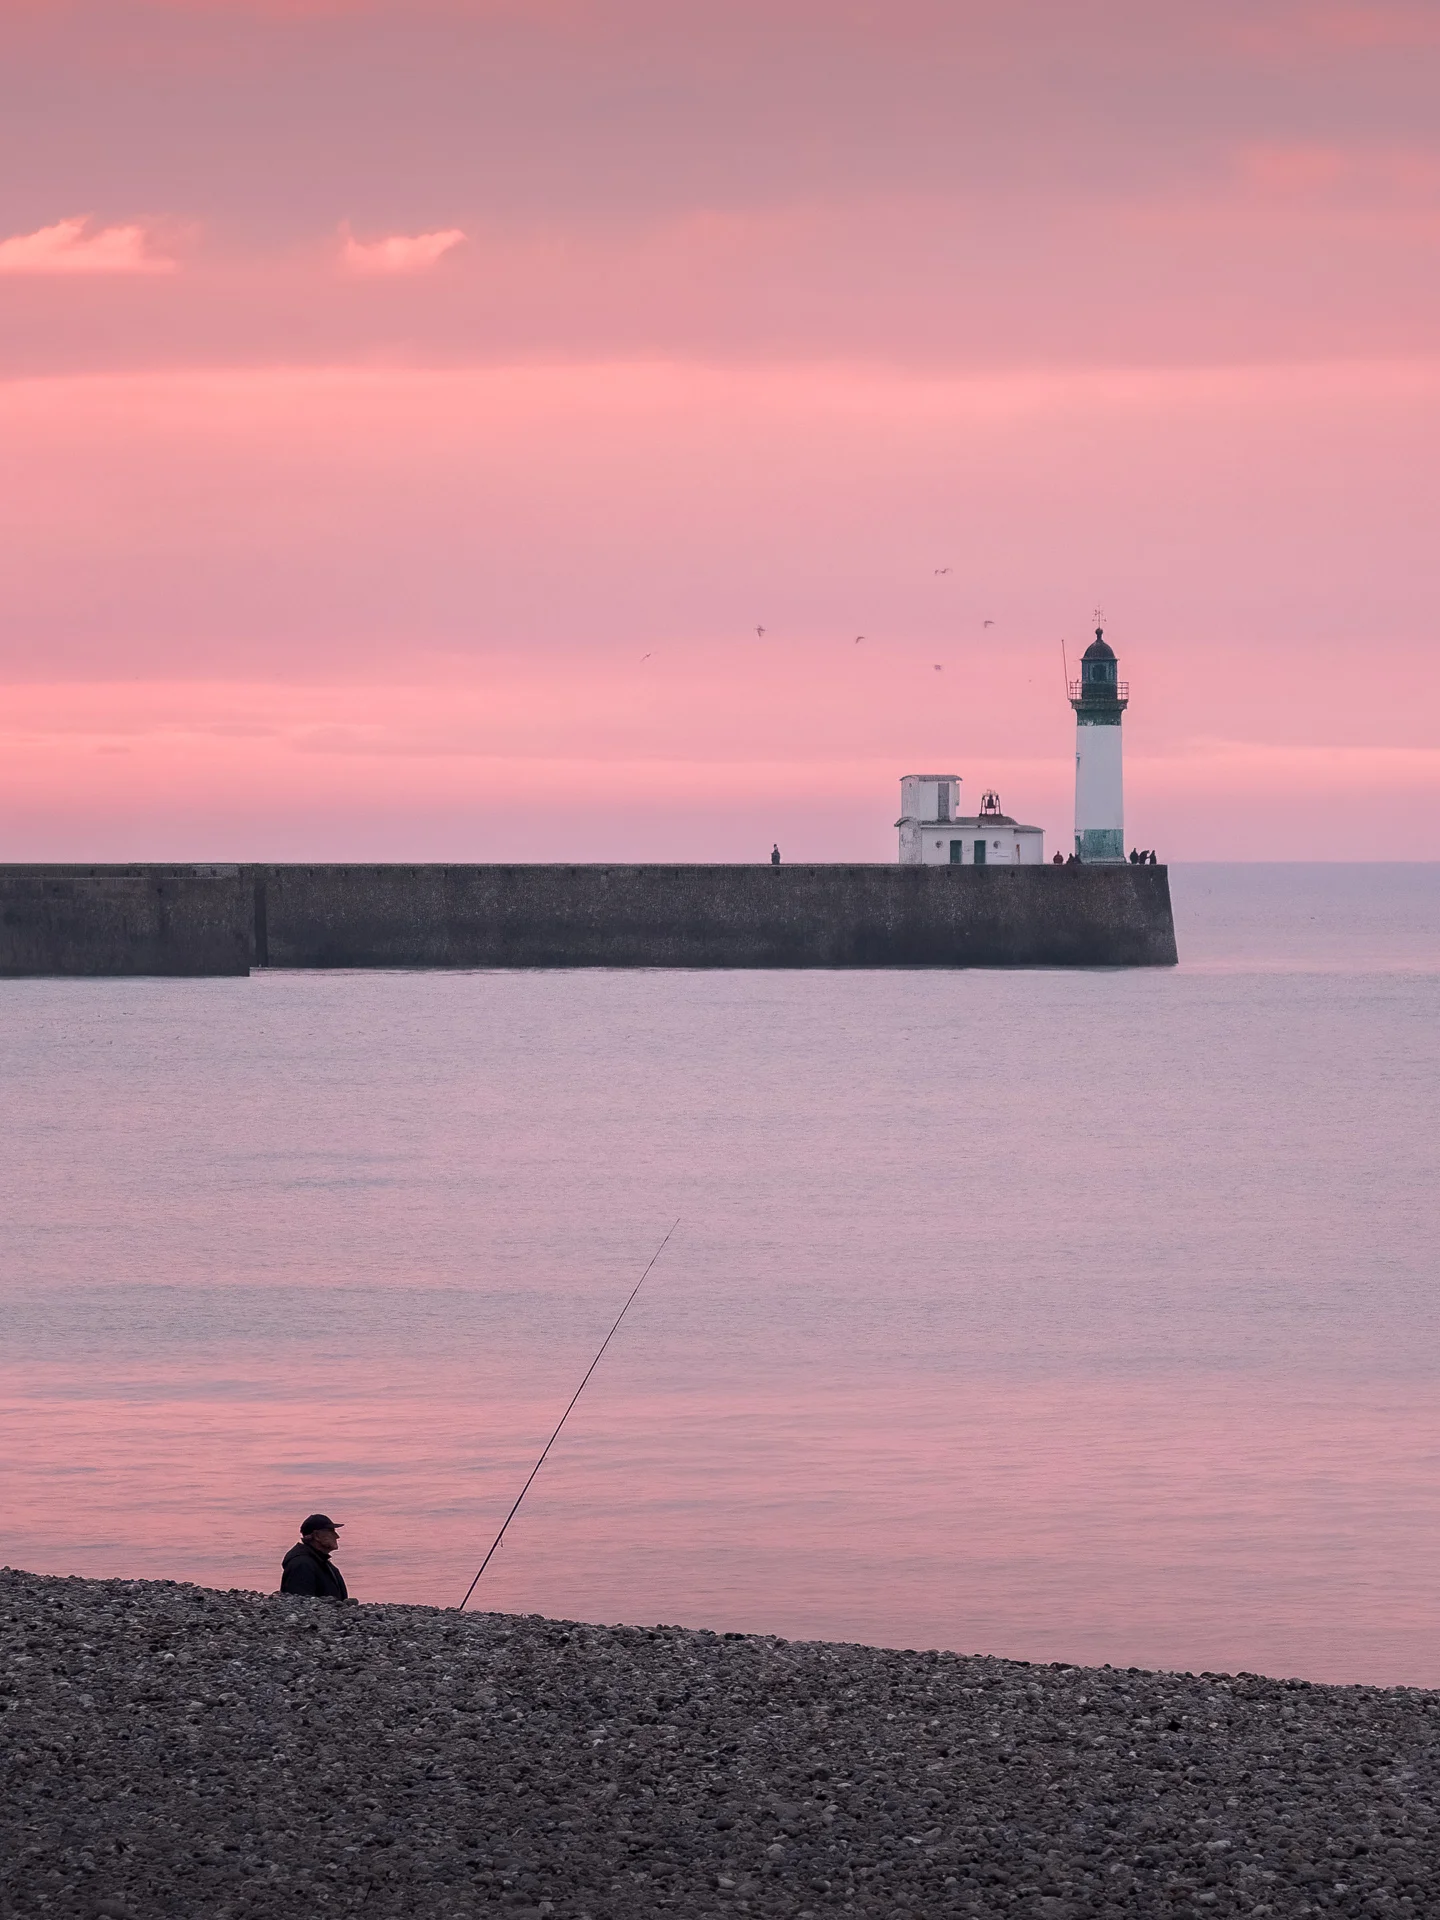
(223,919)
(832,915)
(125,920)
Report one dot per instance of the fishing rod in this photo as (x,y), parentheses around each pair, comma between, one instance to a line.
(564,1417)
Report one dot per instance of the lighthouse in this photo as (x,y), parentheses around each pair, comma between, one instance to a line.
(1099,697)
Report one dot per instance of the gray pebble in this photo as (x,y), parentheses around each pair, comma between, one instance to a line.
(169,1750)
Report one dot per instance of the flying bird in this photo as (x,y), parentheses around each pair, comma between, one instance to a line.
(761,632)
(858,638)
(944,569)
(643,658)
(939,668)
(987,623)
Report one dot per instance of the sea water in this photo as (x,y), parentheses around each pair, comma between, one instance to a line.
(1084,1316)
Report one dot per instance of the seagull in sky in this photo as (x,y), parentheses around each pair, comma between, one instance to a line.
(761,632)
(939,668)
(643,658)
(858,638)
(944,569)
(987,623)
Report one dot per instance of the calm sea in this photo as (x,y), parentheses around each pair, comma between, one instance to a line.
(1070,1316)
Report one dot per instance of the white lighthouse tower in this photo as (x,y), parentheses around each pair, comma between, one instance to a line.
(1099,697)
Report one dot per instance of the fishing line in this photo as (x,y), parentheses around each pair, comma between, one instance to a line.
(565,1416)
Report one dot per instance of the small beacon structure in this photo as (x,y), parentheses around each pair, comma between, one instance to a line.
(1099,697)
(934,832)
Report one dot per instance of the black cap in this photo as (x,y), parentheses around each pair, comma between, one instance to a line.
(317,1522)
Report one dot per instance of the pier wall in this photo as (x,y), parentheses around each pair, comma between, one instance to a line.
(130,919)
(222,920)
(830,915)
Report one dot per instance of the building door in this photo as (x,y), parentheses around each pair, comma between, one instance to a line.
(957,852)
(979,853)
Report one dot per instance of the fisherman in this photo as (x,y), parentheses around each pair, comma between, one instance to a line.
(1059,860)
(1136,859)
(308,1567)
(775,854)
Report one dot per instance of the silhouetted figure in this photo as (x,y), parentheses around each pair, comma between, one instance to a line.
(1058,861)
(775,855)
(307,1567)
(1153,861)
(1135,858)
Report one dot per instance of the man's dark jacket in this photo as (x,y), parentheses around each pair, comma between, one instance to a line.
(306,1570)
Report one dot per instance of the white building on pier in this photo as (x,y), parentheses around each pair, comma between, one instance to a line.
(934,832)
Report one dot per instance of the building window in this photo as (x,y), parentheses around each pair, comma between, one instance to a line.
(979,853)
(957,852)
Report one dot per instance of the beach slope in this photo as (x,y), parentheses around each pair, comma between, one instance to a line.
(168,1750)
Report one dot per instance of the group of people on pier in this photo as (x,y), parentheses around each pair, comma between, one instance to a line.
(1140,859)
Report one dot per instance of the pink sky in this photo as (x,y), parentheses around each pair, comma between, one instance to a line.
(380,384)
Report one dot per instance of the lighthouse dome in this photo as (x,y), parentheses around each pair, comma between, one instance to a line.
(1099,693)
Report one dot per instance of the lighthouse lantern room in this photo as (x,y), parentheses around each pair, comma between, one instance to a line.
(1099,697)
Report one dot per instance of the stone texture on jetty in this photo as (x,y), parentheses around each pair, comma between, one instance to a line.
(173,1751)
(143,919)
(821,914)
(220,920)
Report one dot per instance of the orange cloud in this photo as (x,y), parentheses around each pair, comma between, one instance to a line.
(1301,170)
(1373,25)
(67,247)
(1294,169)
(400,252)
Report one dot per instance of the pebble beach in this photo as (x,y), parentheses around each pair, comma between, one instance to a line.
(170,1750)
